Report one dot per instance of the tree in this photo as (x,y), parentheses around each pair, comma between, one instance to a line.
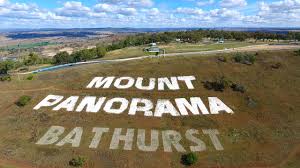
(32,59)
(62,58)
(101,51)
(5,66)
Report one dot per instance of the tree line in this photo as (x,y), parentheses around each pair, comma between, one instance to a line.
(196,36)
(100,51)
(81,55)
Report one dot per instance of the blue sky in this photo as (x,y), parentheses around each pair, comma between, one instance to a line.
(148,13)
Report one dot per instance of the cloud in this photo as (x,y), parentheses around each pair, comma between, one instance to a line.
(225,13)
(73,9)
(204,3)
(151,12)
(105,8)
(280,11)
(233,3)
(130,3)
(137,13)
(190,11)
(109,8)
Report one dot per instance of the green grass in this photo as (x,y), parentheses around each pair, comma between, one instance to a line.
(29,45)
(174,48)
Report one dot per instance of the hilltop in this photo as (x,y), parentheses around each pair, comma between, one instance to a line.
(262,132)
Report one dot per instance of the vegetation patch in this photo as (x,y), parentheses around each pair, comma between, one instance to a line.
(251,102)
(238,88)
(23,101)
(297,53)
(189,159)
(77,162)
(244,58)
(221,83)
(222,59)
(218,85)
(276,65)
(30,77)
(5,78)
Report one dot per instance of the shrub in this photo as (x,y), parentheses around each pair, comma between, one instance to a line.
(5,78)
(29,77)
(189,159)
(276,66)
(222,59)
(238,88)
(247,59)
(77,162)
(297,53)
(23,101)
(217,85)
(251,102)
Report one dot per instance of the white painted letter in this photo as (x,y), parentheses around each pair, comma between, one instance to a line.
(90,103)
(100,81)
(172,85)
(194,106)
(74,138)
(216,106)
(139,83)
(214,139)
(146,108)
(164,106)
(47,103)
(200,144)
(188,81)
(117,137)
(129,84)
(108,106)
(68,104)
(141,141)
(97,138)
(170,138)
(51,136)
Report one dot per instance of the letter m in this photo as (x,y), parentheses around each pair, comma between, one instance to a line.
(99,82)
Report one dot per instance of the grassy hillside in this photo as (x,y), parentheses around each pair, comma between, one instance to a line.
(264,131)
(175,48)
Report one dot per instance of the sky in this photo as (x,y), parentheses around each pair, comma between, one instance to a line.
(148,13)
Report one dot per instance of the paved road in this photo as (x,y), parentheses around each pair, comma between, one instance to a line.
(264,47)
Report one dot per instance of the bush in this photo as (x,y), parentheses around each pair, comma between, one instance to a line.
(238,88)
(222,59)
(77,162)
(30,77)
(297,53)
(247,59)
(5,78)
(23,101)
(217,85)
(276,66)
(189,159)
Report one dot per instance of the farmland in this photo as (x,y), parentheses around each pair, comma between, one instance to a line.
(262,132)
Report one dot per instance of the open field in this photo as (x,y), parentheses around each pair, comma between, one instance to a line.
(262,135)
(177,48)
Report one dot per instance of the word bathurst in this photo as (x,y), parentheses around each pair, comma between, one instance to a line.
(170,139)
(118,105)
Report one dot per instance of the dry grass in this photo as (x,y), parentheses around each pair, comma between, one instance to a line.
(263,135)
